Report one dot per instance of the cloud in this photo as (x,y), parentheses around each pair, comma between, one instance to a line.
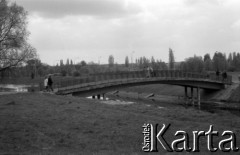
(96,8)
(236,25)
(92,28)
(201,2)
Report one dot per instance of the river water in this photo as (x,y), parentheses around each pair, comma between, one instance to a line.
(17,88)
(207,106)
(212,107)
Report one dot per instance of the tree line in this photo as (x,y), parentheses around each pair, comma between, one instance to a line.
(218,62)
(199,64)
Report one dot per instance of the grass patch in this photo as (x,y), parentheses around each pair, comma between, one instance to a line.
(39,123)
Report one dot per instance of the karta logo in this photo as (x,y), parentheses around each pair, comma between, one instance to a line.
(154,137)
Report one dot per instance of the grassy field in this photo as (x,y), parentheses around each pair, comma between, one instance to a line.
(38,123)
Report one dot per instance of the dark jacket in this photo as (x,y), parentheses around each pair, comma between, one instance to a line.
(50,82)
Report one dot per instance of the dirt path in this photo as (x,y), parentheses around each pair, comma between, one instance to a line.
(231,92)
(225,94)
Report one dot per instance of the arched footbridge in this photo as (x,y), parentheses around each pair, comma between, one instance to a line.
(113,80)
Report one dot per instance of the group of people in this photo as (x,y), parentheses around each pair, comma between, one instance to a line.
(48,83)
(224,75)
(150,72)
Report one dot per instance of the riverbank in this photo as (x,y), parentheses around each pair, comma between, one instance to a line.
(210,105)
(43,123)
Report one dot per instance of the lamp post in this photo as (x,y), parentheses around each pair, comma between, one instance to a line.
(99,60)
(132,59)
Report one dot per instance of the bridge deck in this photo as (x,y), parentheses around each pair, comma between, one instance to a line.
(139,77)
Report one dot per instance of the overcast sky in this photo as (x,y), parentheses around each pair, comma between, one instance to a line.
(91,30)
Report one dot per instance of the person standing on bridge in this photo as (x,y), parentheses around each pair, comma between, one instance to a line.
(149,71)
(224,76)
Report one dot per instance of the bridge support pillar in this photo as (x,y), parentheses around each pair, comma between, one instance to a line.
(93,97)
(192,97)
(198,96)
(103,95)
(98,96)
(186,94)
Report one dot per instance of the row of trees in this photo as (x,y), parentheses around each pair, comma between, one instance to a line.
(219,62)
(69,62)
(156,64)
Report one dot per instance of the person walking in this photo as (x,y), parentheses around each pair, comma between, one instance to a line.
(50,82)
(46,83)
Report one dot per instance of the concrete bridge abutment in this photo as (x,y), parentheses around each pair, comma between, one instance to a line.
(98,96)
(192,95)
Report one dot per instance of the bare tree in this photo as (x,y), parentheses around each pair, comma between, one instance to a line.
(14,49)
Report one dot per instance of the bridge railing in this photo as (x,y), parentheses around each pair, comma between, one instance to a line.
(165,74)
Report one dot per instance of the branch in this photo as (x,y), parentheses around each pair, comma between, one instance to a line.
(11,65)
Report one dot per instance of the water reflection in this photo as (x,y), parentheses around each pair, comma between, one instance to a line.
(95,97)
(111,101)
